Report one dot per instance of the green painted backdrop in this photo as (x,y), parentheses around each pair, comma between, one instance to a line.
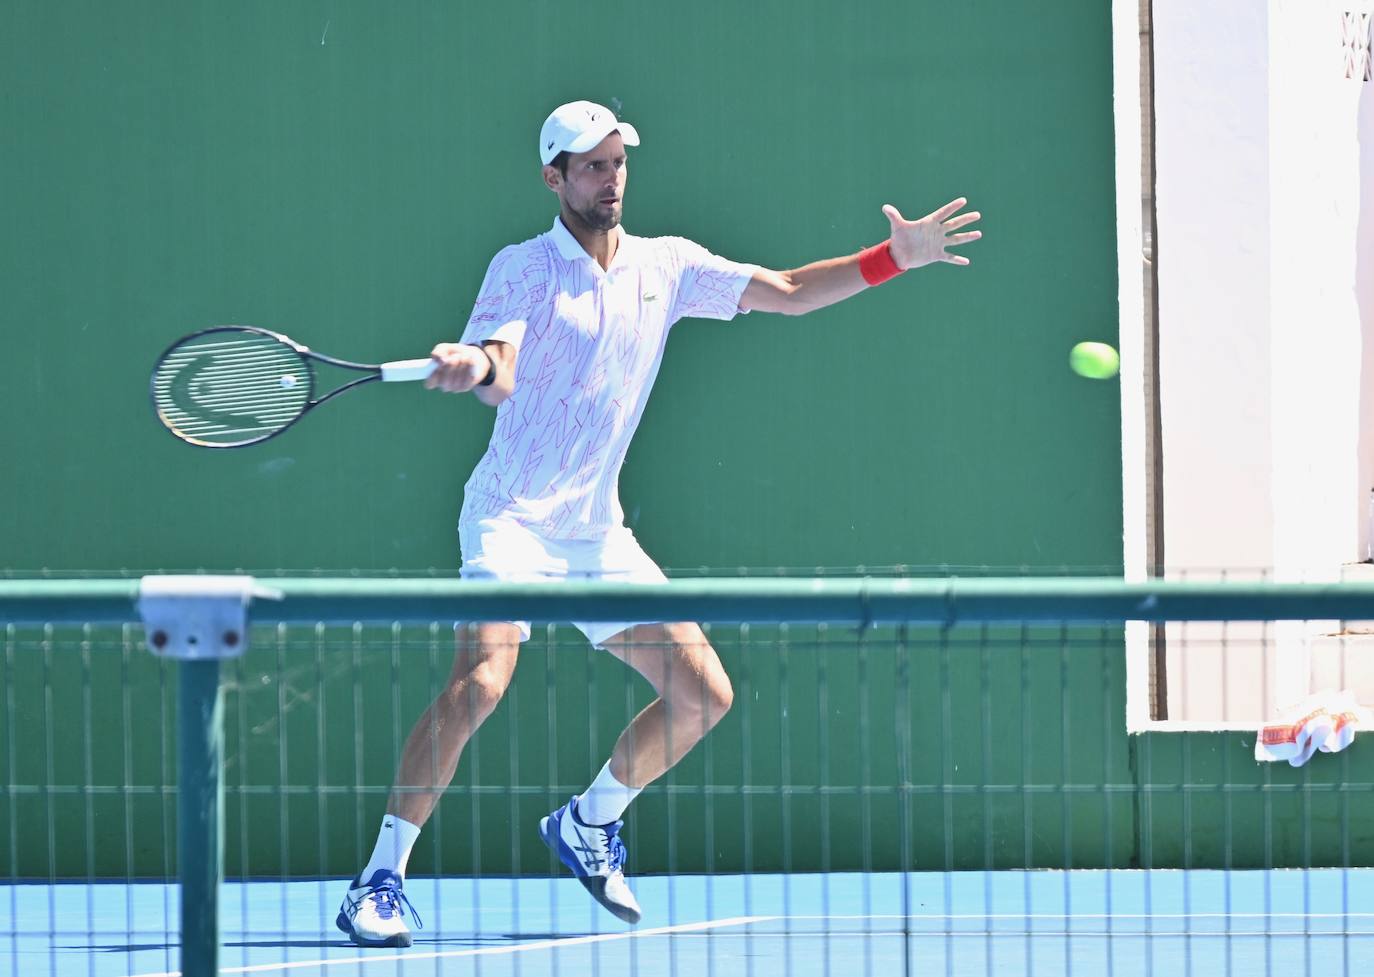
(343,172)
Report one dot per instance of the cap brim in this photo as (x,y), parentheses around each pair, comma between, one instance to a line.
(592,137)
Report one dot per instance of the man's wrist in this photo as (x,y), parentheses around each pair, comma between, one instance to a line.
(490,378)
(877,265)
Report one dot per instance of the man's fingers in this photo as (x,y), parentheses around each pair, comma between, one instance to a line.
(456,381)
(949,209)
(457,370)
(926,240)
(432,381)
(963,220)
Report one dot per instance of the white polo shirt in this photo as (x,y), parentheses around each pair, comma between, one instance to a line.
(590,343)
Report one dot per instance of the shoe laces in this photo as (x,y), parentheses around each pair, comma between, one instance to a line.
(615,848)
(390,900)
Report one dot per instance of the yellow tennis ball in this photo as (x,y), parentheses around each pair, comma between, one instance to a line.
(1096,361)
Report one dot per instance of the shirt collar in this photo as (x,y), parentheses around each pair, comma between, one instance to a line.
(572,251)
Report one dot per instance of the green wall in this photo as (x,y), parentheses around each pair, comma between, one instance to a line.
(343,172)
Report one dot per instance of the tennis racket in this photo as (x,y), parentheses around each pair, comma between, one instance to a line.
(232,386)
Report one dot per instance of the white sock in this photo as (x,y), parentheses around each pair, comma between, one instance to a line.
(394,842)
(606,799)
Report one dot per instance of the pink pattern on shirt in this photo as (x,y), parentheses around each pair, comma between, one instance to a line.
(590,345)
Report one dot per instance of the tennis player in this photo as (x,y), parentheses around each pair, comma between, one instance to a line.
(565,341)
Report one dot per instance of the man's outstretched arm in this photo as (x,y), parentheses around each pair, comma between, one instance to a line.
(821,283)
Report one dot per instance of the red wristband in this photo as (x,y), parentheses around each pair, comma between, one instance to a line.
(876,264)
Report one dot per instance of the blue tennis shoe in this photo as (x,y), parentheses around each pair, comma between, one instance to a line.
(596,856)
(373,912)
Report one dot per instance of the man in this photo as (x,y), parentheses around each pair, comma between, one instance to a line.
(565,341)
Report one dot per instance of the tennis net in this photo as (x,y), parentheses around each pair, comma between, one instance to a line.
(916,776)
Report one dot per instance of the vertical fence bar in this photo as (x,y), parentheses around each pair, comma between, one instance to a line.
(473,752)
(239,683)
(1228,849)
(126,713)
(865,800)
(1027,797)
(989,853)
(594,754)
(49,782)
(1065,780)
(438,673)
(946,746)
(283,794)
(709,827)
(746,688)
(1186,782)
(87,785)
(1268,806)
(166,795)
(1145,783)
(200,813)
(1109,676)
(11,797)
(322,793)
(628,697)
(515,824)
(552,798)
(670,780)
(902,679)
(360,813)
(1345,864)
(822,651)
(785,788)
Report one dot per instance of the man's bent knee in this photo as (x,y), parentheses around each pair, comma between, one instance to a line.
(719,698)
(482,687)
(724,699)
(707,696)
(484,665)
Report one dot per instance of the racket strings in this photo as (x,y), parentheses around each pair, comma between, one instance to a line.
(225,388)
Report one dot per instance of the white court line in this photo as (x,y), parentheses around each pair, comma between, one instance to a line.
(1096,936)
(916,916)
(362,960)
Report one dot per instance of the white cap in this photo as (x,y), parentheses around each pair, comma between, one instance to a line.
(578,127)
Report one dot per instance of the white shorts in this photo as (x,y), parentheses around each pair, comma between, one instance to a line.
(498,549)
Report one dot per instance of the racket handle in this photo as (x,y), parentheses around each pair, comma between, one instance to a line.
(407,370)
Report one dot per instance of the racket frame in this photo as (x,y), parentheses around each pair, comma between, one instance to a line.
(373,371)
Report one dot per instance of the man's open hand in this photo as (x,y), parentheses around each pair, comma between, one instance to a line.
(925,241)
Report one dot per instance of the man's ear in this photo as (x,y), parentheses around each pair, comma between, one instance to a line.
(552,178)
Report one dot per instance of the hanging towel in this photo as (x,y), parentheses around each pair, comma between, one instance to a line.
(1326,721)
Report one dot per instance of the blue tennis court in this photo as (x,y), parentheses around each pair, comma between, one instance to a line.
(974,923)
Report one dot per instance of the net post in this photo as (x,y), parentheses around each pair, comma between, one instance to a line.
(199,621)
(200,812)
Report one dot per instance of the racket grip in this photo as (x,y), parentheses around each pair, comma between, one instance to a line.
(401,370)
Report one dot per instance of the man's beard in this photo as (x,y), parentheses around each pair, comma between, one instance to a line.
(596,218)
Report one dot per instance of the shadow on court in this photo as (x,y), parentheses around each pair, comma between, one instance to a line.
(501,939)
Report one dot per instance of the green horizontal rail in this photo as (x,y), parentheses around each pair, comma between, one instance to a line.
(68,601)
(856,601)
